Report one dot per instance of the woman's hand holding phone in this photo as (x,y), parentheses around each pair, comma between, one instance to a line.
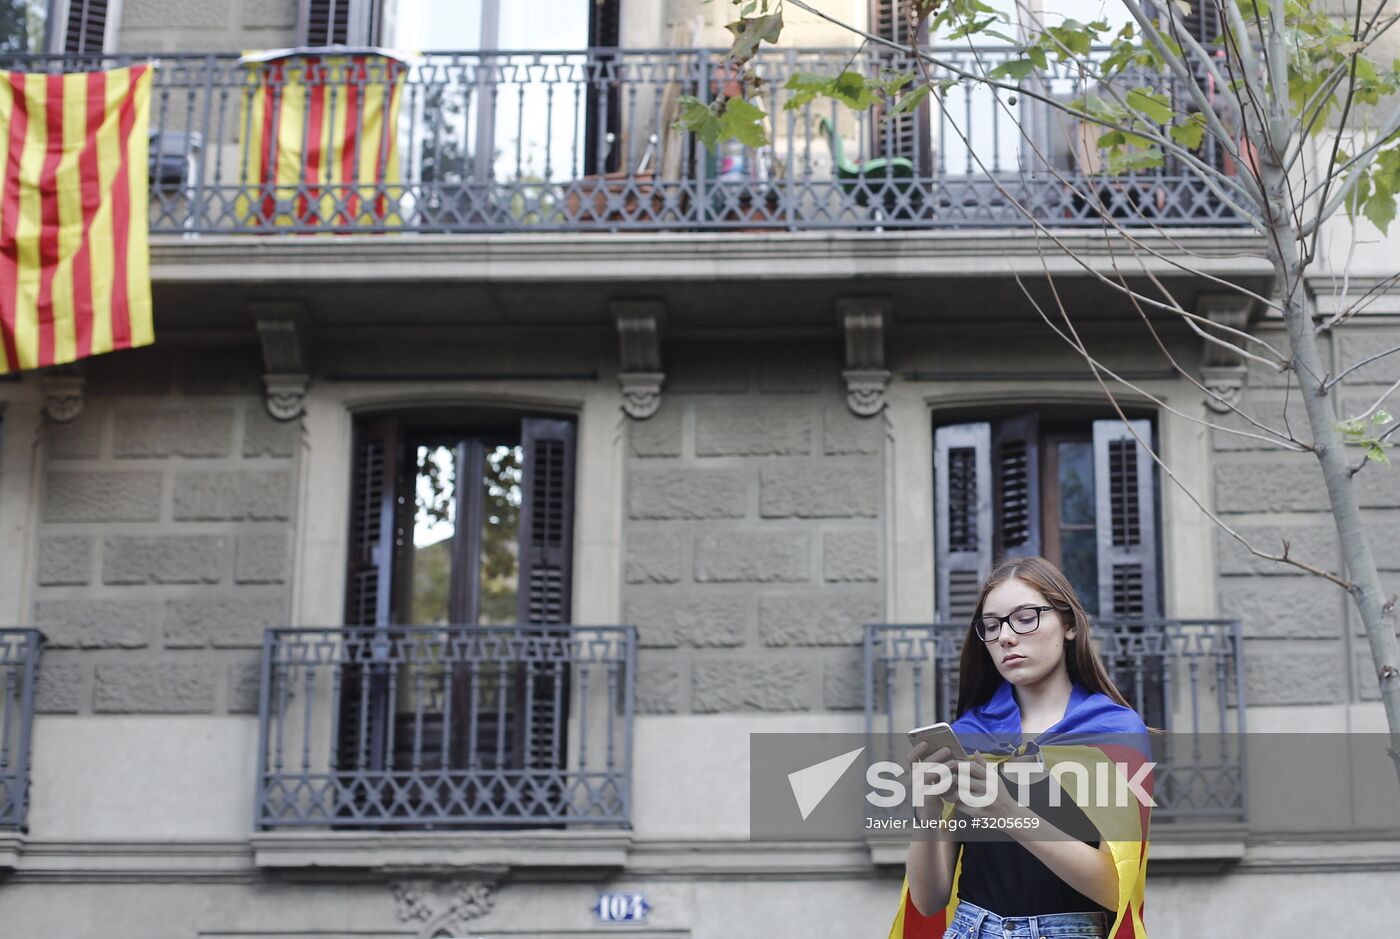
(932,809)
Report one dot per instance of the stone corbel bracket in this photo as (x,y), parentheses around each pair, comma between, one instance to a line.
(864,321)
(63,392)
(639,324)
(284,365)
(1223,371)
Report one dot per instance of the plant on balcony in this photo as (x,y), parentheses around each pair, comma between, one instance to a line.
(1283,111)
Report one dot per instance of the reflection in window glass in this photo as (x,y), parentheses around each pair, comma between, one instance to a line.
(1077,483)
(434,531)
(22,25)
(1079,557)
(500,535)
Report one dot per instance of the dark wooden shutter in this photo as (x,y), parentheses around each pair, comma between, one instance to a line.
(908,134)
(363,709)
(1016,485)
(1125,516)
(603,105)
(86,28)
(546,580)
(962,476)
(546,520)
(343,22)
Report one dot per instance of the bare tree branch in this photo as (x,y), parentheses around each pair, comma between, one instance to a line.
(1351,368)
(1283,558)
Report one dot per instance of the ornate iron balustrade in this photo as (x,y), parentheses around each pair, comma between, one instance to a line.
(1184,676)
(19,659)
(539,141)
(446,726)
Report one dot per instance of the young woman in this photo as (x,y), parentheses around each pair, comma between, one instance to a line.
(1030,677)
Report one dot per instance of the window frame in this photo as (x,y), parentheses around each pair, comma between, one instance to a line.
(985,431)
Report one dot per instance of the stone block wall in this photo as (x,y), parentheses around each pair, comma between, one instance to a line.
(164,537)
(753,532)
(206,25)
(1304,642)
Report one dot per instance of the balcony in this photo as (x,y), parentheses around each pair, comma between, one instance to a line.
(434,728)
(19,660)
(546,141)
(1185,676)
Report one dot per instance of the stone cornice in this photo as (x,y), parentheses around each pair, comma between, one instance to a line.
(648,256)
(531,855)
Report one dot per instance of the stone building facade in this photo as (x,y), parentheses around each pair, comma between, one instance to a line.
(752,423)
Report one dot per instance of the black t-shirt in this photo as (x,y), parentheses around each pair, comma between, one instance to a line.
(1003,876)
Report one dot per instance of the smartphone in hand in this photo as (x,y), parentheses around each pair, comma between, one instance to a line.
(939,735)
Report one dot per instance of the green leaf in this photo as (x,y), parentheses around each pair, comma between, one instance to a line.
(743,121)
(1153,104)
(911,100)
(1189,135)
(1014,69)
(699,118)
(1379,207)
(851,89)
(750,31)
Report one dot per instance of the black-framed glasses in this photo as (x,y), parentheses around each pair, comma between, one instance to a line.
(1022,621)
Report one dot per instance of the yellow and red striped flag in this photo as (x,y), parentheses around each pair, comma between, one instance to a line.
(320,139)
(74,263)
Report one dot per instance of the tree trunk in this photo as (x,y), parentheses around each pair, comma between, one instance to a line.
(1366,590)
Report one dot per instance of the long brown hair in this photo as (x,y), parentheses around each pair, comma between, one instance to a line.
(978,677)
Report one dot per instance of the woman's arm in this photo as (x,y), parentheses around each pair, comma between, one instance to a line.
(930,867)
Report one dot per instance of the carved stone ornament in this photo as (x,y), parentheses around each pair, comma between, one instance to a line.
(286,396)
(442,908)
(641,393)
(1223,370)
(63,395)
(863,320)
(639,362)
(284,375)
(865,390)
(1228,383)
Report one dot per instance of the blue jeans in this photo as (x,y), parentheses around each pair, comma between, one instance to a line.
(971,921)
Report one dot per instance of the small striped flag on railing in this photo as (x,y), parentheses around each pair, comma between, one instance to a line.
(74,263)
(320,138)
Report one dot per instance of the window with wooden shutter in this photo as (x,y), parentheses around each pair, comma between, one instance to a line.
(1077,493)
(1016,485)
(451,528)
(906,135)
(361,687)
(962,475)
(1126,521)
(546,581)
(339,22)
(83,26)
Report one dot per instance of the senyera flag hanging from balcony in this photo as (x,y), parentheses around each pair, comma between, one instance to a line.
(74,264)
(319,127)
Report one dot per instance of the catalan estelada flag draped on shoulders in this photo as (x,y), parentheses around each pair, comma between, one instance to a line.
(1110,742)
(74,262)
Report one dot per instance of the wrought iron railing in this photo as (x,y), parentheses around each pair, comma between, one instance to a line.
(19,660)
(532,141)
(446,727)
(1183,676)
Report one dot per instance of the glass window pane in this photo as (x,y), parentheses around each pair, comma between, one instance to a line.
(500,535)
(1076,459)
(1079,559)
(22,25)
(434,534)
